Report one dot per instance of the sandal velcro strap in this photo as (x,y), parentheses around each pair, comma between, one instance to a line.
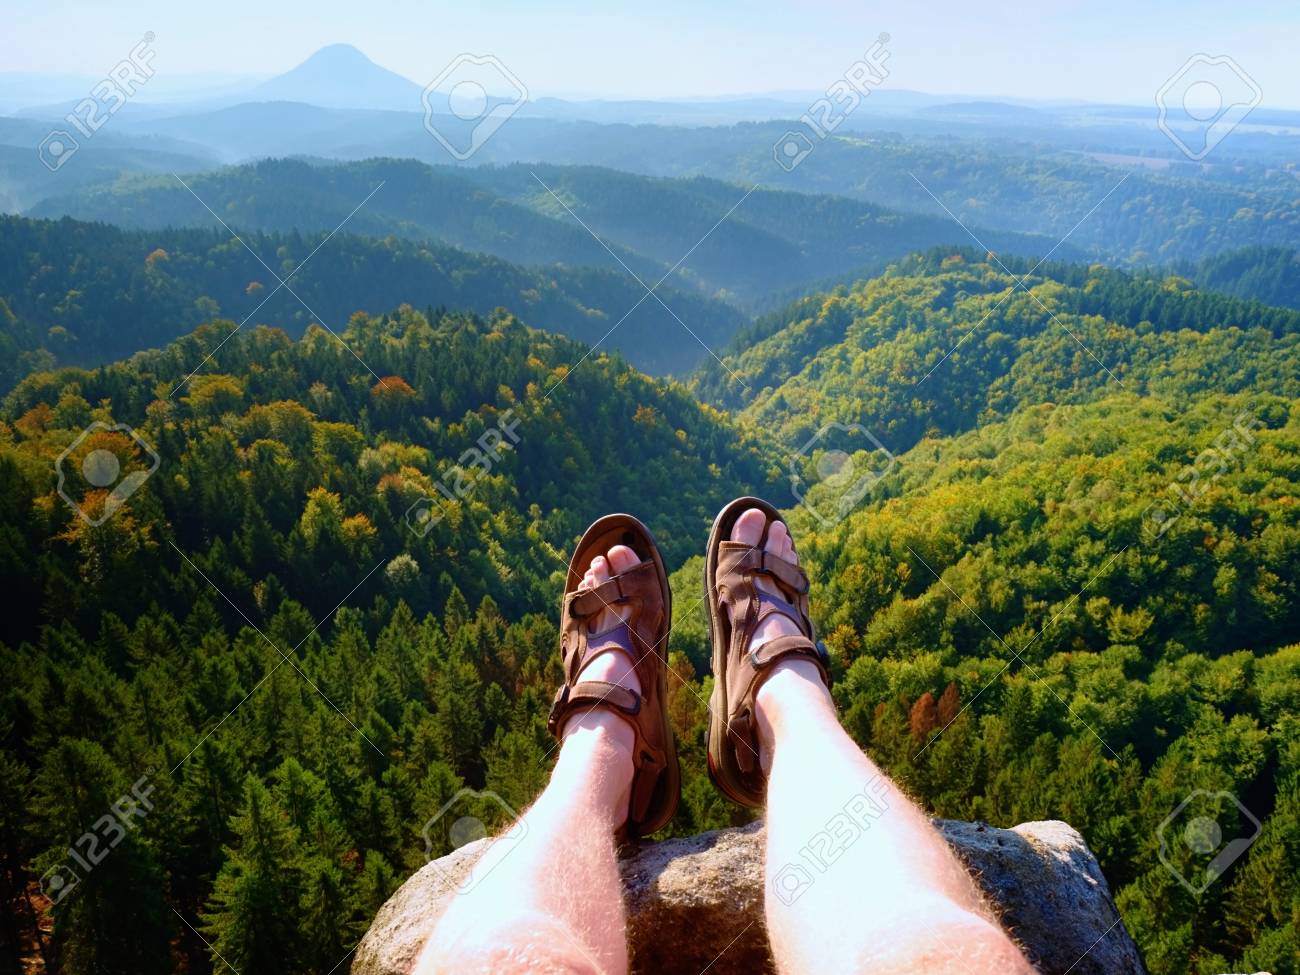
(770,652)
(585,603)
(753,669)
(750,560)
(589,695)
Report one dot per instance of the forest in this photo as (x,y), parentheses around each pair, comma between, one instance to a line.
(316,361)
(779,240)
(86,293)
(1071,593)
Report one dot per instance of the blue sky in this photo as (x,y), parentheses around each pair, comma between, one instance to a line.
(1097,51)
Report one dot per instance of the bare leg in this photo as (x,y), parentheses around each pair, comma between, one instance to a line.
(858,878)
(548,898)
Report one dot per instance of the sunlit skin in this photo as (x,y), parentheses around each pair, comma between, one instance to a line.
(552,900)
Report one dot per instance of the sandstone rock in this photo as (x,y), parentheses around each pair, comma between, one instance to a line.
(697,902)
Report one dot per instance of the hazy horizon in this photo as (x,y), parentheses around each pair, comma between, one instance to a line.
(1106,52)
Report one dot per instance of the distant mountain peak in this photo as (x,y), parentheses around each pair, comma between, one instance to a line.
(339,54)
(341,76)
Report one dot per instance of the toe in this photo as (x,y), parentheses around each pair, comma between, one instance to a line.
(621,559)
(748,528)
(786,551)
(610,616)
(778,540)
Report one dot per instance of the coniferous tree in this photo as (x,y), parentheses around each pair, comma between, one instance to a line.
(249,919)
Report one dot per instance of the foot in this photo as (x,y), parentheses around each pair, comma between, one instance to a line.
(763,640)
(612,706)
(615,667)
(599,729)
(748,530)
(793,679)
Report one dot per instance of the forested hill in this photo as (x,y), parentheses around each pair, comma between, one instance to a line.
(1090,612)
(90,293)
(1269,274)
(265,420)
(949,339)
(1015,634)
(770,241)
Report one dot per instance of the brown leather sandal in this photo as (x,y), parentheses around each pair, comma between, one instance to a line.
(738,672)
(656,779)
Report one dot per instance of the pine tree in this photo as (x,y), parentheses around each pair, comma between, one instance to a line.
(458,716)
(77,793)
(328,916)
(250,918)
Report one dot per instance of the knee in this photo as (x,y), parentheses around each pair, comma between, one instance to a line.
(528,943)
